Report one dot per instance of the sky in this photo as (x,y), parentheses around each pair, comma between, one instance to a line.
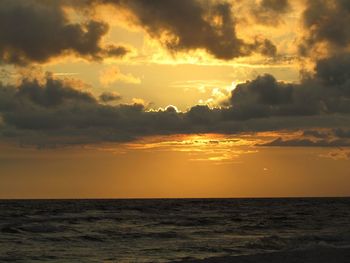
(174,98)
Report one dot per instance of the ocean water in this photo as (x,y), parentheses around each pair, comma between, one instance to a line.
(167,230)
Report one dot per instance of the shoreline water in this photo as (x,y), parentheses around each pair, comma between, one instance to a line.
(320,255)
(196,230)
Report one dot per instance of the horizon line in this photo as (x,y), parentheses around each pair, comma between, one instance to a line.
(171,198)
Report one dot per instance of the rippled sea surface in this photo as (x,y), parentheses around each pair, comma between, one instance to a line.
(167,230)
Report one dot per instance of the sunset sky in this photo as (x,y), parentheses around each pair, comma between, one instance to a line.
(174,98)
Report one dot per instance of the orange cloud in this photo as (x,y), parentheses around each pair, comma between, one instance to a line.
(111,75)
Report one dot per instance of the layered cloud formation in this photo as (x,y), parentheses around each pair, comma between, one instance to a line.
(52,111)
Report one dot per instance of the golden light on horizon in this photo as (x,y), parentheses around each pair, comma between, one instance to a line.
(209,165)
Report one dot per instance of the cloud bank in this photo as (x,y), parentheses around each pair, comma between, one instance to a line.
(53,111)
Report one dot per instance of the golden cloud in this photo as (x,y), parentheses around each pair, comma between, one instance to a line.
(111,75)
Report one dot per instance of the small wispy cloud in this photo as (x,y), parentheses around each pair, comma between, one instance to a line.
(199,84)
(60,74)
(213,148)
(113,74)
(339,154)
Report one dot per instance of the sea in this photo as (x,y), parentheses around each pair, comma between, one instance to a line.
(168,230)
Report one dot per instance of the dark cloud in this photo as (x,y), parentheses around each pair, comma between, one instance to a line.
(325,92)
(36,31)
(327,33)
(316,134)
(183,25)
(342,133)
(53,109)
(56,112)
(263,90)
(326,22)
(202,114)
(52,94)
(266,97)
(307,143)
(270,12)
(275,5)
(52,112)
(114,51)
(109,97)
(333,82)
(334,71)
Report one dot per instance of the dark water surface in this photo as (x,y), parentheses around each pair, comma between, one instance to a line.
(167,230)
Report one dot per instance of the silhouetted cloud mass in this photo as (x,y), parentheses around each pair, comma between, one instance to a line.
(307,143)
(109,96)
(342,133)
(316,134)
(326,22)
(183,25)
(54,110)
(37,31)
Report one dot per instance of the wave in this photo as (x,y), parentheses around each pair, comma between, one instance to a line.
(165,230)
(320,255)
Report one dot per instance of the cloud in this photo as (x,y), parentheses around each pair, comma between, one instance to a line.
(38,31)
(316,134)
(340,154)
(52,94)
(342,133)
(55,111)
(113,74)
(307,143)
(112,50)
(327,91)
(333,71)
(276,5)
(270,12)
(212,21)
(110,97)
(326,22)
(263,90)
(266,97)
